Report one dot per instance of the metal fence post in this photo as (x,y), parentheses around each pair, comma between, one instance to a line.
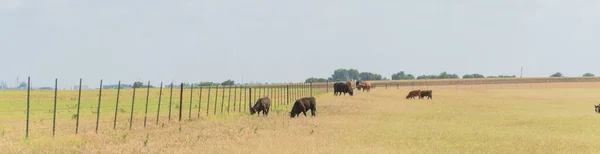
(28,109)
(54,117)
(117,105)
(98,111)
(159,100)
(78,108)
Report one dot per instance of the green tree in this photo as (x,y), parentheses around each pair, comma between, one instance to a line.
(478,76)
(588,75)
(205,84)
(315,80)
(468,76)
(227,83)
(340,75)
(138,84)
(23,85)
(370,76)
(353,74)
(402,76)
(557,74)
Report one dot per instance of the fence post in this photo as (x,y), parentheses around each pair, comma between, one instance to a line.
(200,102)
(98,112)
(147,98)
(327,86)
(159,100)
(229,99)
(191,97)
(78,108)
(117,105)
(250,97)
(311,89)
(222,99)
(132,105)
(242,100)
(234,97)
(55,94)
(28,100)
(180,101)
(216,100)
(208,100)
(170,101)
(287,95)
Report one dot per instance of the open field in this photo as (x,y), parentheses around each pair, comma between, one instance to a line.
(196,103)
(510,118)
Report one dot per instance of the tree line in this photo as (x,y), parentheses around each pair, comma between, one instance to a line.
(353,74)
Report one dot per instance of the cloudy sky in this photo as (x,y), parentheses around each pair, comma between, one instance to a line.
(283,41)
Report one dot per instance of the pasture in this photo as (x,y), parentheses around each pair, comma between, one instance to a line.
(486,118)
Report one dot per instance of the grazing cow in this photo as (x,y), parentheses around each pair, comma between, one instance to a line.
(303,105)
(413,94)
(349,83)
(597,108)
(426,93)
(262,104)
(339,88)
(366,85)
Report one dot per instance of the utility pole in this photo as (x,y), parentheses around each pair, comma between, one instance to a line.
(521,71)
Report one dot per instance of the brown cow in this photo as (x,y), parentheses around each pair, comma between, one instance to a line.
(413,94)
(349,83)
(365,85)
(427,93)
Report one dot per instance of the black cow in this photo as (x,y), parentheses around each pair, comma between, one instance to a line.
(262,104)
(303,105)
(426,93)
(597,108)
(339,88)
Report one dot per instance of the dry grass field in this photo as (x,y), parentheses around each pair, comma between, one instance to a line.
(509,118)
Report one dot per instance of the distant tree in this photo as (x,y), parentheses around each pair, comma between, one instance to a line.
(353,74)
(588,75)
(370,76)
(139,84)
(227,83)
(23,85)
(478,76)
(206,84)
(340,75)
(557,74)
(315,80)
(467,76)
(402,76)
(445,75)
(503,76)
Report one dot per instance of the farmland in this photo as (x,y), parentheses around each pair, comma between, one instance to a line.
(469,118)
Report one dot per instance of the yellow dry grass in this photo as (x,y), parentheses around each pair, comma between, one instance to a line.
(516,118)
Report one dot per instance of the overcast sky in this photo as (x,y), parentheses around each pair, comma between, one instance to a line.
(283,41)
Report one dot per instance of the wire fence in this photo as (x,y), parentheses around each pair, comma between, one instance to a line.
(46,112)
(53,112)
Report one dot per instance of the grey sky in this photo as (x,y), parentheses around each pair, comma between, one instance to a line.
(282,41)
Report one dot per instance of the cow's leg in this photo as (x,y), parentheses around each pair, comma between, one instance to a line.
(304,111)
(268,111)
(313,110)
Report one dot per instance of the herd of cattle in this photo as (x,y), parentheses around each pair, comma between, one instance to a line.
(304,104)
(340,87)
